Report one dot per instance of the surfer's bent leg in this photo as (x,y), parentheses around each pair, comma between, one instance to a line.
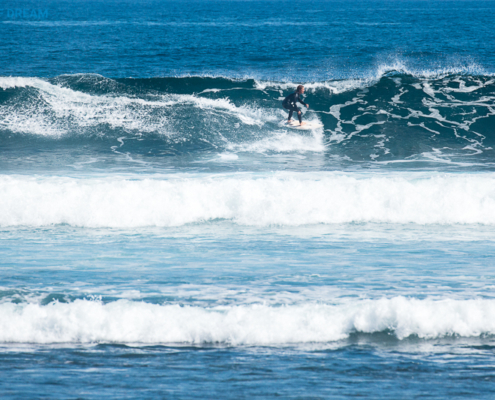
(287,107)
(293,108)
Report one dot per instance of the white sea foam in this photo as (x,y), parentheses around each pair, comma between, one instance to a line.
(401,66)
(228,157)
(64,110)
(283,199)
(334,86)
(124,321)
(369,78)
(284,140)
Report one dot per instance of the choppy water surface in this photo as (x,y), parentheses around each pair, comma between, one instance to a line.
(163,234)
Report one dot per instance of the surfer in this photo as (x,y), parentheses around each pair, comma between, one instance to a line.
(290,101)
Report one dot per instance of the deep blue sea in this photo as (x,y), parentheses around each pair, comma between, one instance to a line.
(164,235)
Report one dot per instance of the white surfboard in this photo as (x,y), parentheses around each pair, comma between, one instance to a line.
(306,126)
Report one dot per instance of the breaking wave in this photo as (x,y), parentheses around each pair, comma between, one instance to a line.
(395,115)
(123,321)
(282,199)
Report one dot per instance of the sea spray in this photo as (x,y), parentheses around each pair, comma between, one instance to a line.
(283,199)
(123,321)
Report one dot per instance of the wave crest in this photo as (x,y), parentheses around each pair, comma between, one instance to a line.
(397,115)
(281,199)
(123,321)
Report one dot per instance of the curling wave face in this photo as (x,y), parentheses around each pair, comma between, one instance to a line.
(397,116)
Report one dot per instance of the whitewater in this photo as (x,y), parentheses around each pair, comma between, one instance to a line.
(284,199)
(179,214)
(163,233)
(135,322)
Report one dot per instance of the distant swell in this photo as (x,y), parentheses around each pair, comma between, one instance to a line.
(84,321)
(289,199)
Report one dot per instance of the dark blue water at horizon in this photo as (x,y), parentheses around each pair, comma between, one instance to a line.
(276,40)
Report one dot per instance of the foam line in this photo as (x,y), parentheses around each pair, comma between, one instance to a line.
(282,199)
(64,110)
(124,321)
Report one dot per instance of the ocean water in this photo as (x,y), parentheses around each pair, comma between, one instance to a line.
(164,235)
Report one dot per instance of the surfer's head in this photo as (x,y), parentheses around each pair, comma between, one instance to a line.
(300,89)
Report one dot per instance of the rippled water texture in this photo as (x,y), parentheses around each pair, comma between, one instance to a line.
(163,233)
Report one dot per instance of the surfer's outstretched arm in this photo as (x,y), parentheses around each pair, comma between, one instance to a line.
(301,101)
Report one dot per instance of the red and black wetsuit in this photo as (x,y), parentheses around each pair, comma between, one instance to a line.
(289,103)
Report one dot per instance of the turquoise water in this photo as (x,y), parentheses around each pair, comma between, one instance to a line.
(324,312)
(164,235)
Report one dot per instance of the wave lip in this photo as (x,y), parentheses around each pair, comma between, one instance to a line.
(124,321)
(283,199)
(397,115)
